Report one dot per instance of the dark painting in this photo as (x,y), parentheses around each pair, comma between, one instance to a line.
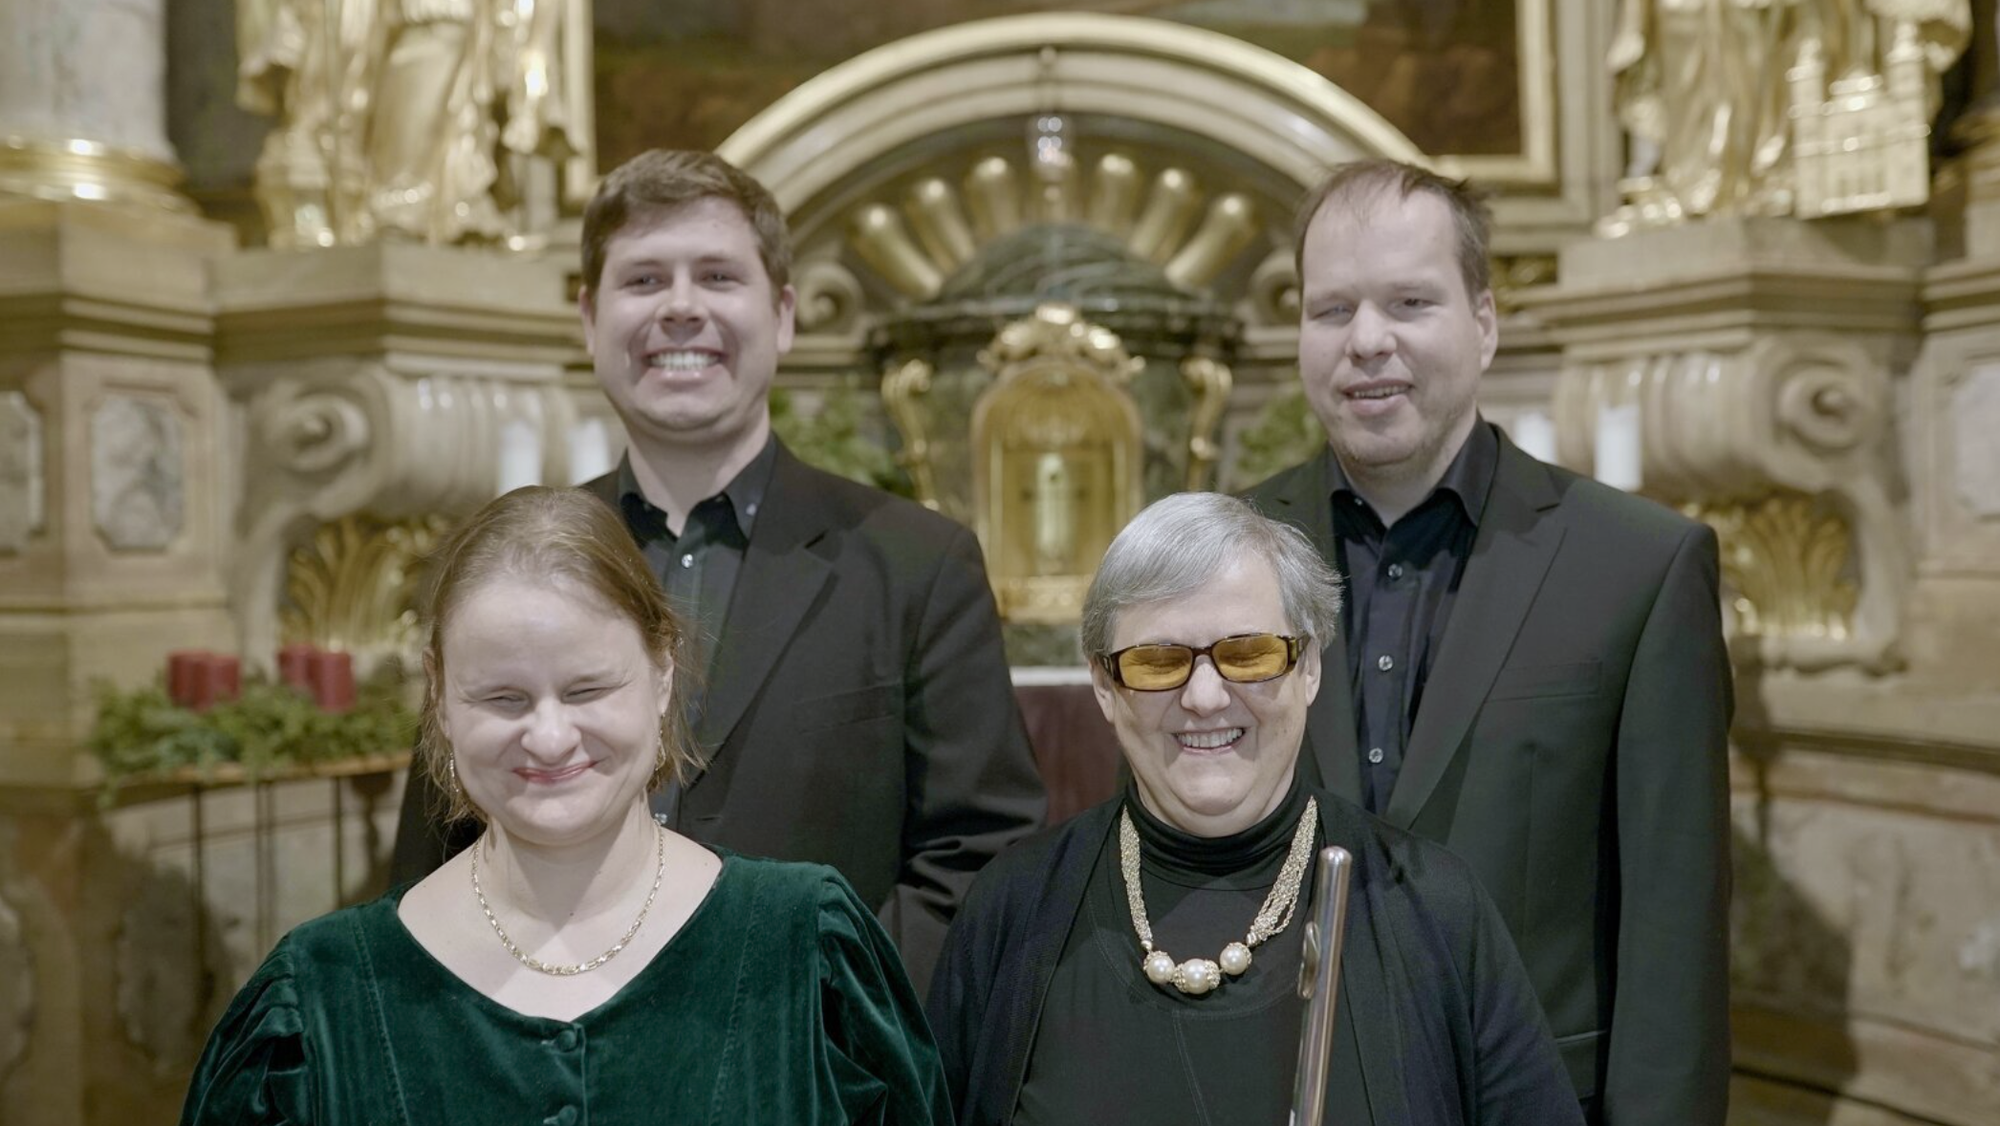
(687,73)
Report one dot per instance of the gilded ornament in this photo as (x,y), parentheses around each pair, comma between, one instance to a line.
(1210,381)
(904,387)
(1779,107)
(948,228)
(1058,453)
(412,118)
(354,586)
(1785,559)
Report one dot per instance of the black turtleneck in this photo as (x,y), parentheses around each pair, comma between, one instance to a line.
(1113,1047)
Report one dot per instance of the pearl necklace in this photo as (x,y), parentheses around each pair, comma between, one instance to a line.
(556,969)
(1199,975)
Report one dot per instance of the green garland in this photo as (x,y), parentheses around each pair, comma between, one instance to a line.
(1286,433)
(269,728)
(837,438)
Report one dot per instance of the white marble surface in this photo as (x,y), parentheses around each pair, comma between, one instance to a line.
(22,488)
(1975,420)
(137,474)
(92,70)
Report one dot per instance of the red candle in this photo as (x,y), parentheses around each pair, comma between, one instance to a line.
(295,666)
(183,667)
(333,681)
(201,683)
(225,677)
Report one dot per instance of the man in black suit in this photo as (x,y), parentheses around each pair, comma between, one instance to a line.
(857,709)
(1530,668)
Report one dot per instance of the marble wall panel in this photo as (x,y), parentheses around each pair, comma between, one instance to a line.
(137,473)
(1975,419)
(23,488)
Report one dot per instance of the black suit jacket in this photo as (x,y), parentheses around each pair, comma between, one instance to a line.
(1433,1001)
(1572,747)
(858,711)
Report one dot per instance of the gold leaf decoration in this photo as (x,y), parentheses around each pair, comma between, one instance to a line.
(1785,561)
(354,586)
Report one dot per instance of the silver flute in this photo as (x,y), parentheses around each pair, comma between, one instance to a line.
(1319,982)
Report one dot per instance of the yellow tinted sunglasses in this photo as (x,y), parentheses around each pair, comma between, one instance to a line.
(1244,659)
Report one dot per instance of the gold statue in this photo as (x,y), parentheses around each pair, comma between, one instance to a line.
(1729,96)
(411,118)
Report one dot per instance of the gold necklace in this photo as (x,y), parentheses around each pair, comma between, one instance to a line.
(1199,975)
(659,871)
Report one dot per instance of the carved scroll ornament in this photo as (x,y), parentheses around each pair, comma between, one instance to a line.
(334,437)
(1783,447)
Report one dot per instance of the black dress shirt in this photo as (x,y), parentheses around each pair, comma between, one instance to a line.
(1400,584)
(698,567)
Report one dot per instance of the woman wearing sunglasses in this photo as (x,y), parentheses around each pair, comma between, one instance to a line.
(1140,962)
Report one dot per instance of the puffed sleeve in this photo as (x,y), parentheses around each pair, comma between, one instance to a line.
(257,1066)
(879,1046)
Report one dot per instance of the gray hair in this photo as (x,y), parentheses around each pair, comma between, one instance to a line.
(1177,545)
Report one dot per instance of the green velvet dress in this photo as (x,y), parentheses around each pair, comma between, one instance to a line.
(780,1001)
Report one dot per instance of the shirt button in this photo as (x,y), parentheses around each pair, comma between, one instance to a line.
(564,1117)
(750,509)
(1375,755)
(1385,662)
(688,559)
(566,1040)
(1395,570)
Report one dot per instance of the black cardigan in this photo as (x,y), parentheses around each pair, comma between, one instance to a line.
(1431,987)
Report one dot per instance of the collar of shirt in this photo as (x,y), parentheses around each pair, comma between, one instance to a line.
(745,493)
(1466,480)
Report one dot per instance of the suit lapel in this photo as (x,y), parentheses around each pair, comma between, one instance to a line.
(782,574)
(1305,500)
(1510,557)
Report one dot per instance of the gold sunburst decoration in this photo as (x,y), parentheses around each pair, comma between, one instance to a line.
(354,586)
(1786,558)
(915,243)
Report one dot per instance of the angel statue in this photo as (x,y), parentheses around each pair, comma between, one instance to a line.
(416,119)
(1719,96)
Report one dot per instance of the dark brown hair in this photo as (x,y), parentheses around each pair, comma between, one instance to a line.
(1356,181)
(543,534)
(660,180)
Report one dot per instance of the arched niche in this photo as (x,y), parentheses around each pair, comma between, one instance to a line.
(1248,129)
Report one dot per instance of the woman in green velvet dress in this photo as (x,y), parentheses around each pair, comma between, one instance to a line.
(579,963)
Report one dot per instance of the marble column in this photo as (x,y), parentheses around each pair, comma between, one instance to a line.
(83,106)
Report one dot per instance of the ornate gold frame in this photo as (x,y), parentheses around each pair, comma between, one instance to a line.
(1535,71)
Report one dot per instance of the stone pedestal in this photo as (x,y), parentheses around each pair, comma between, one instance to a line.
(115,486)
(1829,401)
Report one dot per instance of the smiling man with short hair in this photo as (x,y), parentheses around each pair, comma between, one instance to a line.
(856,708)
(1530,667)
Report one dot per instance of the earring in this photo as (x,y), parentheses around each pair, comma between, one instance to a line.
(451,768)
